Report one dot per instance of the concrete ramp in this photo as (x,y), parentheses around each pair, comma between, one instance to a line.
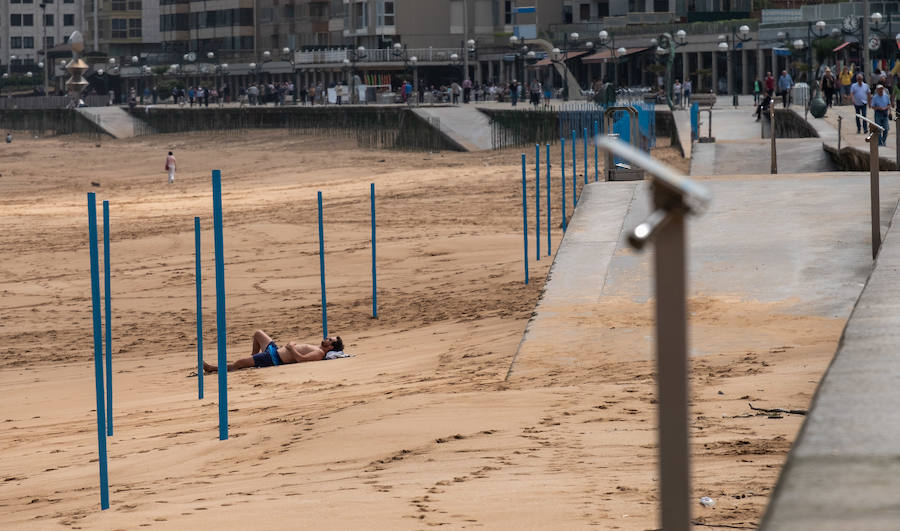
(463,125)
(113,119)
(771,240)
(844,470)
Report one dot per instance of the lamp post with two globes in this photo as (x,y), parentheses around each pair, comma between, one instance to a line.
(409,62)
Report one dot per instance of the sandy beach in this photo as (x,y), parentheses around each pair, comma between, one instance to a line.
(420,429)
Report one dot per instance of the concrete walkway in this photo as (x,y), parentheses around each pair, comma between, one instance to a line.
(464,125)
(844,470)
(739,148)
(850,138)
(768,239)
(113,119)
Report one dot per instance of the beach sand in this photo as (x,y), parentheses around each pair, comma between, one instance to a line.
(419,429)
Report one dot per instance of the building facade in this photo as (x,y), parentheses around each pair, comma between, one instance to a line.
(31,26)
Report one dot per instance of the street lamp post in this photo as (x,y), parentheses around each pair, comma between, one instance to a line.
(8,75)
(567,38)
(295,77)
(738,37)
(608,42)
(878,31)
(354,55)
(43,6)
(472,49)
(666,46)
(409,62)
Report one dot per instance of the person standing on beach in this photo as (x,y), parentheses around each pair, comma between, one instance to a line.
(170,167)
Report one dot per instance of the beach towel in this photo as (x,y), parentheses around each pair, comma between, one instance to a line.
(336,354)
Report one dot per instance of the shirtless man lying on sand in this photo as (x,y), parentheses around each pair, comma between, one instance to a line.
(267,354)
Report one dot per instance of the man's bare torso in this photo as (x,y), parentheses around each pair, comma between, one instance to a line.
(296,352)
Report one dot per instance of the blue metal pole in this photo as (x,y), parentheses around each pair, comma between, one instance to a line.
(584,139)
(574,171)
(562,144)
(107,298)
(322,270)
(596,157)
(548,200)
(374,281)
(525,216)
(220,304)
(537,200)
(98,350)
(198,278)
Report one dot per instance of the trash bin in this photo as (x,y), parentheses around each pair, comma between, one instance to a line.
(800,94)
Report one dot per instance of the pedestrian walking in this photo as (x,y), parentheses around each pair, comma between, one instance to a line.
(170,167)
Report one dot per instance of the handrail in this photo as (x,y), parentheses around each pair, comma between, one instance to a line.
(872,123)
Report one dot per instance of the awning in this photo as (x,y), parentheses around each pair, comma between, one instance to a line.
(605,55)
(841,47)
(547,61)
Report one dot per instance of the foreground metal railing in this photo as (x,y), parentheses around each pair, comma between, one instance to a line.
(674,197)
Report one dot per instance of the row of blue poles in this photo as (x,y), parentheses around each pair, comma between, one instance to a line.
(220,295)
(104,408)
(537,173)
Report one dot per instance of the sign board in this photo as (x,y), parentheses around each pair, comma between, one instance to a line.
(526,31)
(526,9)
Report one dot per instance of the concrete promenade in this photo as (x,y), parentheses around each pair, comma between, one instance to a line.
(844,470)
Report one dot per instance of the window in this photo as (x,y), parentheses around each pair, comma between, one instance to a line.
(27,42)
(28,20)
(134,28)
(134,5)
(15,20)
(384,13)
(15,1)
(119,28)
(68,20)
(265,14)
(15,42)
(584,11)
(507,12)
(48,20)
(119,5)
(49,43)
(68,1)
(567,15)
(660,6)
(603,9)
(635,6)
(362,15)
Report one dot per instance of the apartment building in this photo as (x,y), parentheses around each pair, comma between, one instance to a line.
(121,28)
(31,26)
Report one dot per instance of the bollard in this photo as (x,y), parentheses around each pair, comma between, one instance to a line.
(322,269)
(574,173)
(841,119)
(874,188)
(108,320)
(537,201)
(562,143)
(548,200)
(374,276)
(197,277)
(98,351)
(772,134)
(221,326)
(525,216)
(673,198)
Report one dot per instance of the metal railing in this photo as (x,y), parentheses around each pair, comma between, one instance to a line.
(50,102)
(381,55)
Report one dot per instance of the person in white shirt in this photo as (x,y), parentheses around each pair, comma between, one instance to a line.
(170,167)
(860,94)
